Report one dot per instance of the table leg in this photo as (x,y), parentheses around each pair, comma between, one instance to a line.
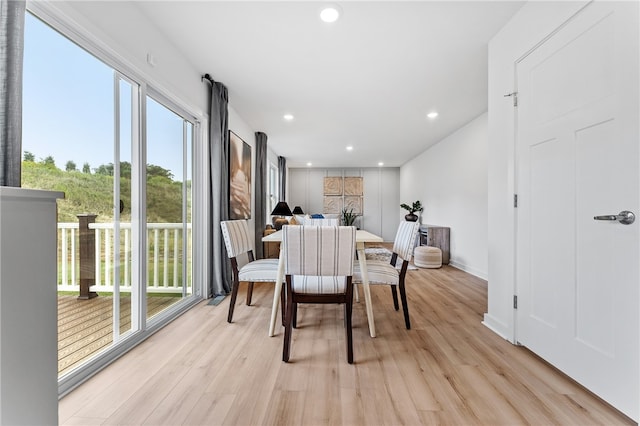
(276,295)
(356,293)
(367,292)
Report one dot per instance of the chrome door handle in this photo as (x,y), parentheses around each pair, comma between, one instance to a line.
(625,217)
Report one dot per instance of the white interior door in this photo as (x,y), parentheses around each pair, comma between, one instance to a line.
(578,157)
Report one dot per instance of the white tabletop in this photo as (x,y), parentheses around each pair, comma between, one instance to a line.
(362,236)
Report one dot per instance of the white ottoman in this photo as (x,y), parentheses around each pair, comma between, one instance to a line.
(427,257)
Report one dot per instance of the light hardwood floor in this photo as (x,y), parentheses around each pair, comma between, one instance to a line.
(448,369)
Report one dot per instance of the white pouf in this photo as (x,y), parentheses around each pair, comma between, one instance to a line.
(427,257)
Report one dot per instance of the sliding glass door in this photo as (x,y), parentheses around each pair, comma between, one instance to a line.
(122,154)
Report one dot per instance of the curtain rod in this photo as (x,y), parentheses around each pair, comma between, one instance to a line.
(208,77)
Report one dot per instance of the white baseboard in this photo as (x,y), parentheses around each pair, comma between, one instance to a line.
(498,327)
(468,269)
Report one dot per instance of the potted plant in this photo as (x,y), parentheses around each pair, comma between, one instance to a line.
(415,207)
(348,217)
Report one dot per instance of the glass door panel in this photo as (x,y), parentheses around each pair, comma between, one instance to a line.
(76,129)
(168,207)
(187,288)
(126,95)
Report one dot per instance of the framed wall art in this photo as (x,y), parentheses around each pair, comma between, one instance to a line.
(353,185)
(239,178)
(333,185)
(343,193)
(332,204)
(353,202)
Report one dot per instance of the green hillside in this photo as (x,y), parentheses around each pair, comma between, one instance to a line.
(93,192)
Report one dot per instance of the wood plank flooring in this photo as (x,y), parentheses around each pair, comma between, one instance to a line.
(448,369)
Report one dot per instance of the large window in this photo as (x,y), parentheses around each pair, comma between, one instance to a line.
(122,154)
(272,196)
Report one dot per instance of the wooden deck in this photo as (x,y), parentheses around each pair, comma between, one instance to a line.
(85,327)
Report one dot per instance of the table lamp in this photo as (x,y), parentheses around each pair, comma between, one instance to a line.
(297,210)
(282,209)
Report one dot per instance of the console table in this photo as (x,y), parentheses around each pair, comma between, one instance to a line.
(436,236)
(271,250)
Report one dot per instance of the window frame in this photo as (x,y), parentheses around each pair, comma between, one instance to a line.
(272,188)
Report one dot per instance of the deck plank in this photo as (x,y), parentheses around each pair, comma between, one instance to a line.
(85,327)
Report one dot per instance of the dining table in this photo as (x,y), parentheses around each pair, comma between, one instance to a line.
(362,237)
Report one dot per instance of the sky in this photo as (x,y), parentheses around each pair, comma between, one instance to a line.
(68,107)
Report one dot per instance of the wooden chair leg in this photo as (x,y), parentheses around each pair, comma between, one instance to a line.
(394,294)
(348,309)
(405,307)
(232,302)
(295,315)
(283,301)
(286,348)
(249,293)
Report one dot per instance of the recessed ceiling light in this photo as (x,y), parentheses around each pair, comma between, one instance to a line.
(288,117)
(432,114)
(349,148)
(309,164)
(330,14)
(381,164)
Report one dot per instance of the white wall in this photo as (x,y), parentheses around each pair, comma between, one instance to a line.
(450,179)
(381,205)
(529,26)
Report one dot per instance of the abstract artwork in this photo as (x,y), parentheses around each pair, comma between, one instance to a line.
(352,186)
(353,202)
(332,204)
(332,185)
(239,178)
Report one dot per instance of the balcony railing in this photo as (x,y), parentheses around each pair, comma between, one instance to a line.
(86,251)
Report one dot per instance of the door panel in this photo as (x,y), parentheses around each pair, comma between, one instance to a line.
(596,261)
(125,96)
(578,157)
(168,209)
(548,160)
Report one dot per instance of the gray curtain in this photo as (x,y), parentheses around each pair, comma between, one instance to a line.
(261,191)
(219,265)
(282,177)
(11,52)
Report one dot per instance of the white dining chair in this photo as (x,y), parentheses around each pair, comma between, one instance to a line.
(318,267)
(321,222)
(386,273)
(238,240)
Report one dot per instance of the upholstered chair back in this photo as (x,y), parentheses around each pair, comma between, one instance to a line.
(319,250)
(236,236)
(321,222)
(405,240)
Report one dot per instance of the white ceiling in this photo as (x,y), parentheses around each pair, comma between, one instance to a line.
(367,80)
